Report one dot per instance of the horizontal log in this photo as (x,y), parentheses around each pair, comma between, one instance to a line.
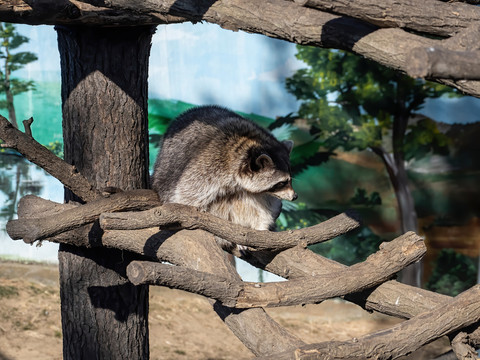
(430,16)
(41,227)
(187,217)
(442,63)
(400,340)
(391,258)
(41,156)
(275,18)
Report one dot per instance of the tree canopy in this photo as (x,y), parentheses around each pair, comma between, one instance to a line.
(12,40)
(354,101)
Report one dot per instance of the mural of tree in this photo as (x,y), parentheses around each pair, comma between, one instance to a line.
(11,40)
(359,104)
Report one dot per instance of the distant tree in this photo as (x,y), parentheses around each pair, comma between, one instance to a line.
(11,40)
(355,103)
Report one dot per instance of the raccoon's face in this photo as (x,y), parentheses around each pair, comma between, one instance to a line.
(268,171)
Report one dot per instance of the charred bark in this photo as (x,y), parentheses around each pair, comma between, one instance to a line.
(104,98)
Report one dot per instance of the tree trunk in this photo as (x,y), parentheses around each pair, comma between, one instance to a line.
(12,117)
(104,98)
(406,207)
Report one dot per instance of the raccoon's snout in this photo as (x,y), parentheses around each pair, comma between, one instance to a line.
(286,193)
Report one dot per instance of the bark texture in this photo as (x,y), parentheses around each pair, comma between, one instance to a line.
(392,257)
(281,19)
(104,98)
(41,156)
(187,217)
(401,339)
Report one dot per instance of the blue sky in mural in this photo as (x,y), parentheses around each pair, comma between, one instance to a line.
(199,64)
(204,64)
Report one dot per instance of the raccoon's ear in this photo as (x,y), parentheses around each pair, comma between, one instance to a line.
(288,144)
(263,161)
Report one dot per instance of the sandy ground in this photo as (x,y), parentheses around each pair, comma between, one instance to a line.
(182,325)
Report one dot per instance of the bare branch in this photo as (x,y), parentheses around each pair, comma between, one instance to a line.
(41,156)
(442,63)
(401,339)
(391,258)
(187,217)
(431,16)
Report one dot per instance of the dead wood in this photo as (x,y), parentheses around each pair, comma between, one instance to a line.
(193,249)
(38,228)
(391,258)
(442,63)
(431,16)
(275,18)
(390,297)
(402,339)
(462,348)
(41,156)
(187,217)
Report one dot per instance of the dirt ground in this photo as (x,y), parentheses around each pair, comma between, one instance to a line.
(182,325)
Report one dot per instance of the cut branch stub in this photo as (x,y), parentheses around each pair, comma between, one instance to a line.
(391,258)
(188,217)
(32,229)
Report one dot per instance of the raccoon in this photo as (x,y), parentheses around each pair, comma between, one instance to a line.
(224,164)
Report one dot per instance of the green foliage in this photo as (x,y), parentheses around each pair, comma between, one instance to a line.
(56,147)
(361,198)
(350,248)
(452,273)
(423,137)
(355,101)
(11,40)
(297,216)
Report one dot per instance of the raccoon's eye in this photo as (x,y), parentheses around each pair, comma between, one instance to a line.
(278,186)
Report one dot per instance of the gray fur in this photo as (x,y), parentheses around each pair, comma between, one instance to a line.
(224,164)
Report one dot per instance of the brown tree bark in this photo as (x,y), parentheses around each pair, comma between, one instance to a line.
(275,18)
(104,98)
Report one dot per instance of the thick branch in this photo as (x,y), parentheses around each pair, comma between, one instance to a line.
(32,229)
(41,156)
(274,18)
(187,217)
(401,339)
(391,258)
(193,249)
(390,297)
(441,63)
(429,16)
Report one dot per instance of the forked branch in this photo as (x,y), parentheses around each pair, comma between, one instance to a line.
(379,267)
(401,339)
(41,156)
